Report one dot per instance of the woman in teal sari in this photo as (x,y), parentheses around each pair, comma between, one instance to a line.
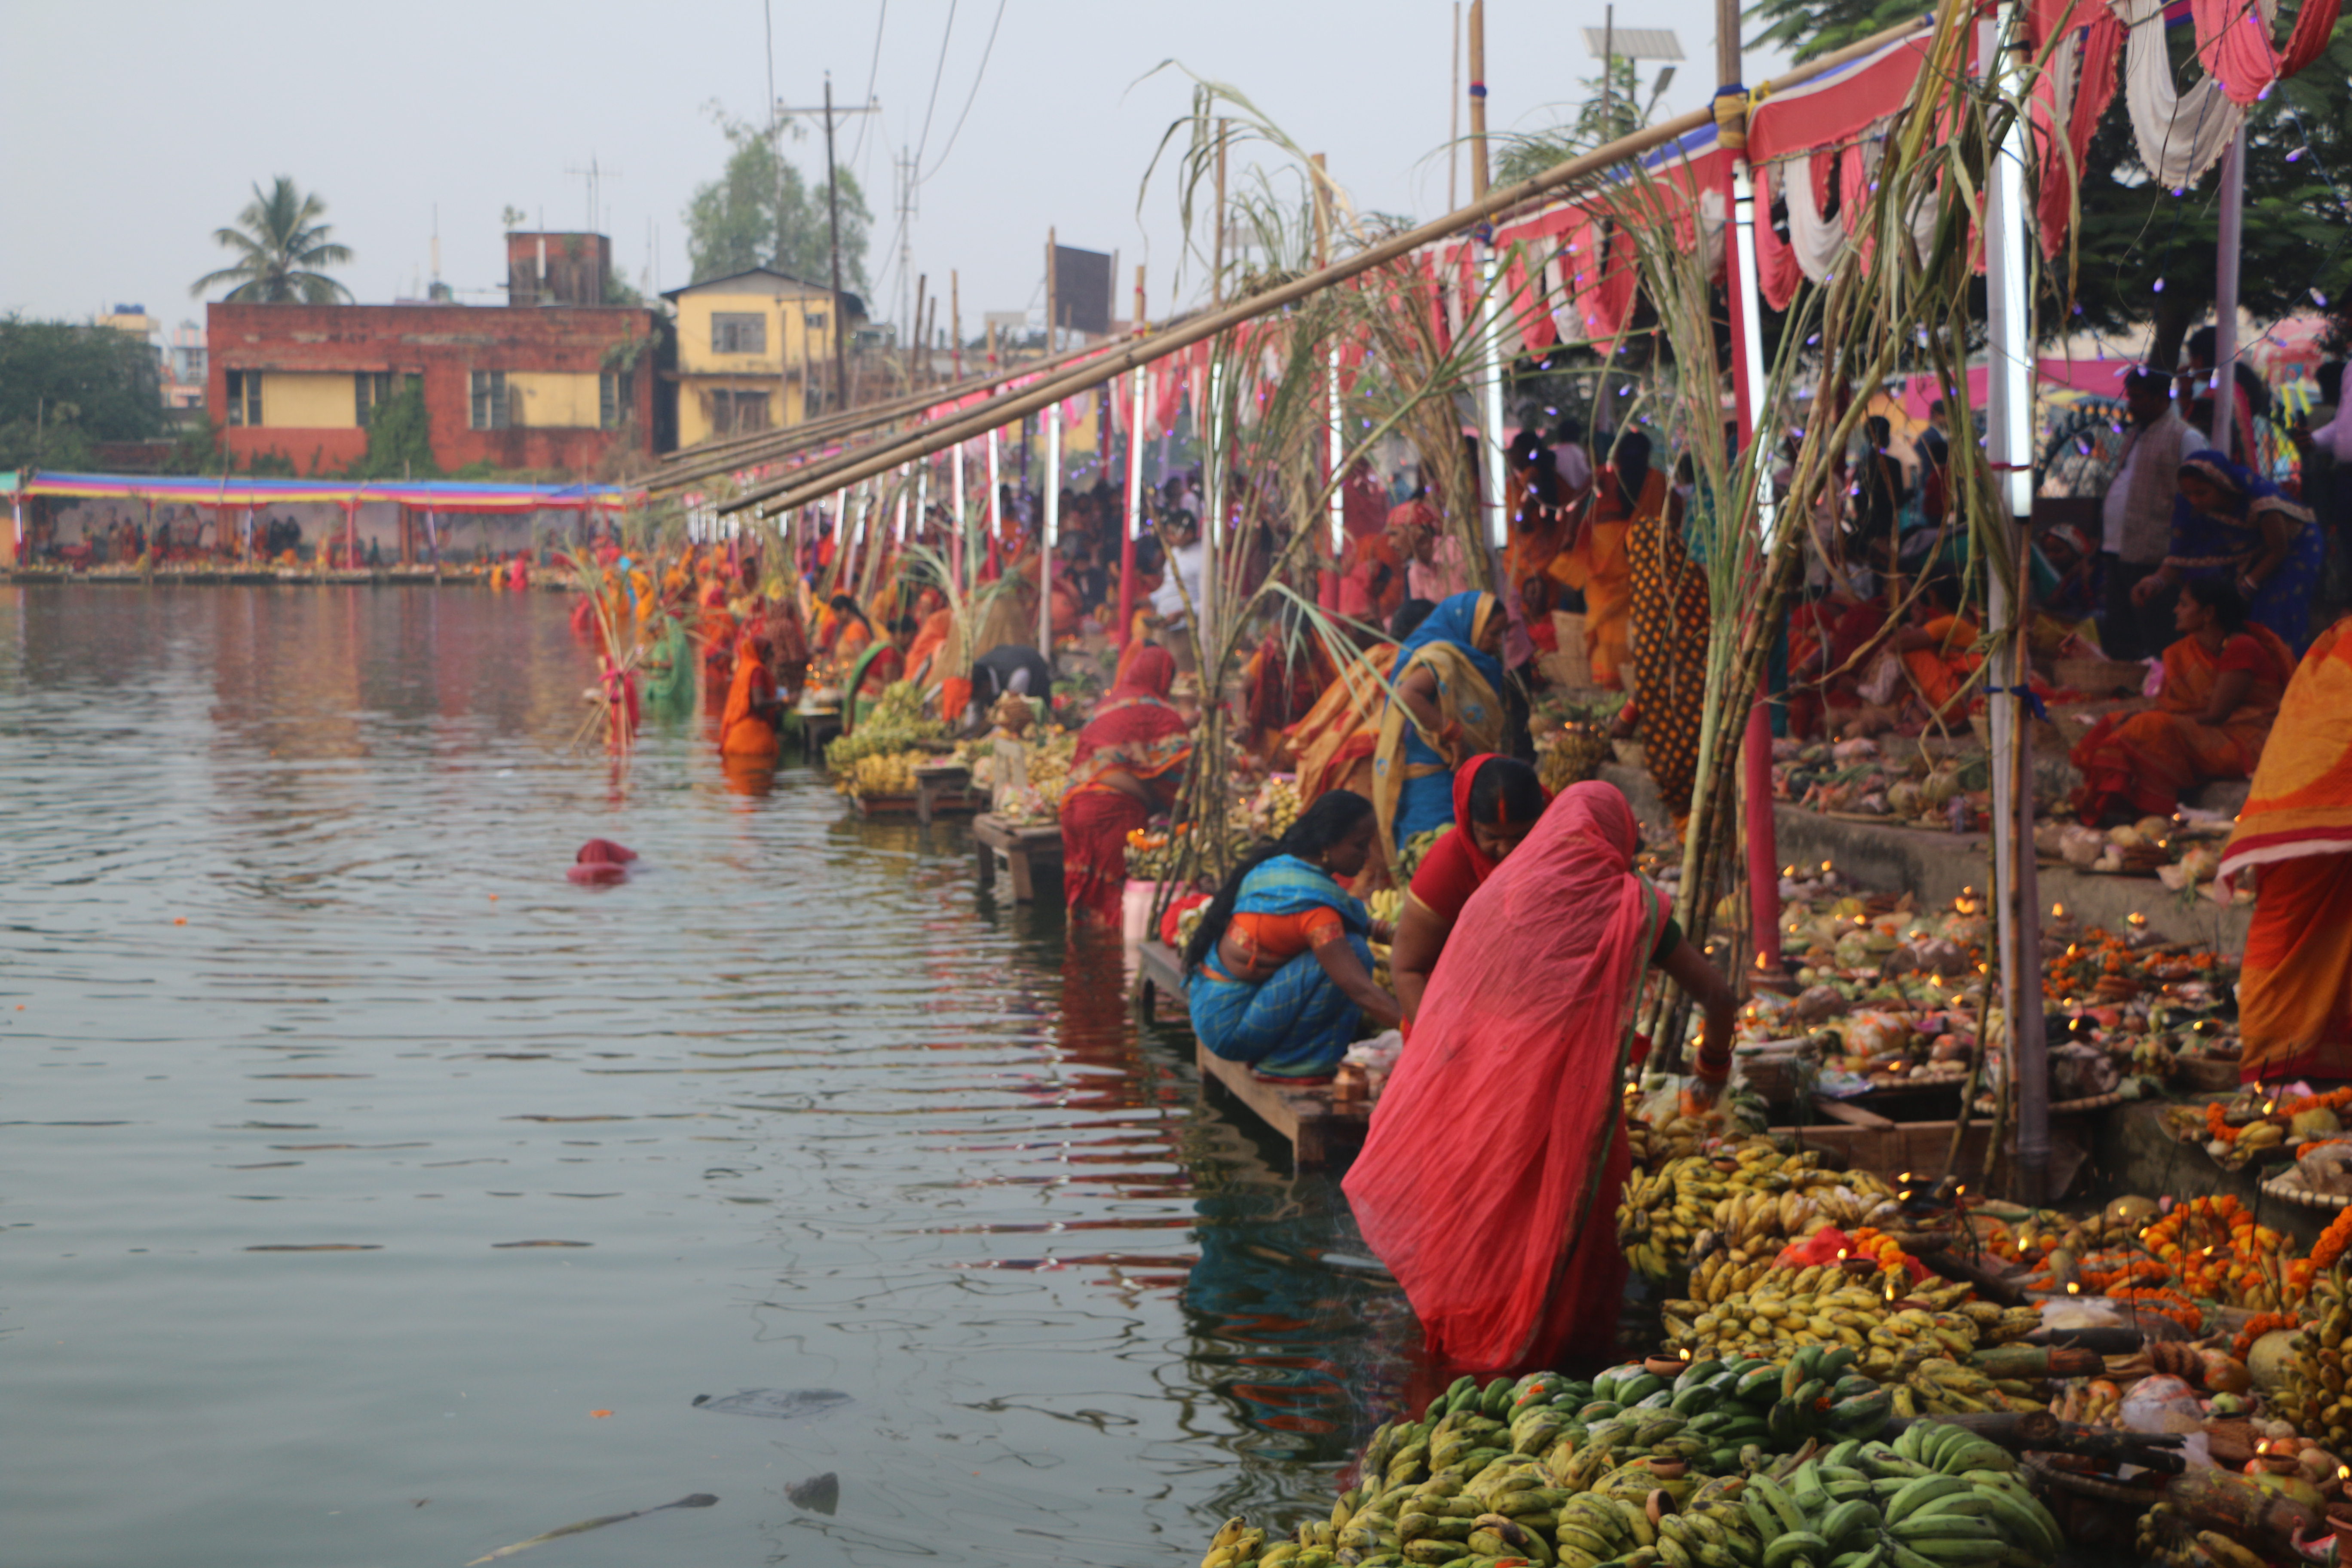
(1445,707)
(669,666)
(1279,972)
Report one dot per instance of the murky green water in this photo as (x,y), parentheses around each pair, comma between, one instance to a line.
(809,1112)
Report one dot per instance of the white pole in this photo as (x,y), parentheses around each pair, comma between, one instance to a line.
(1751,346)
(1050,535)
(2009,410)
(2225,301)
(995,493)
(1490,374)
(962,524)
(905,485)
(1339,444)
(1135,457)
(923,498)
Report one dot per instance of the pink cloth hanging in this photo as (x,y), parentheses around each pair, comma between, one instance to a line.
(2233,44)
(2101,64)
(1777,272)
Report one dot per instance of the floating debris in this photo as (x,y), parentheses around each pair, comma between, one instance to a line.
(777,1404)
(818,1494)
(699,1499)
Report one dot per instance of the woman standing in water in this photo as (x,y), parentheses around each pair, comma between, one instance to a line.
(1503,1241)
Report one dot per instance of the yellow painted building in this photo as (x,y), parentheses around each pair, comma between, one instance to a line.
(754,353)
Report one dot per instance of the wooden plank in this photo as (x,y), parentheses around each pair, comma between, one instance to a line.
(1303,1116)
(1157,969)
(1852,1115)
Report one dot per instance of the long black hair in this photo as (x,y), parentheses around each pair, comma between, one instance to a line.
(1335,815)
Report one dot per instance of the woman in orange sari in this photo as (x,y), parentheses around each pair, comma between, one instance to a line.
(2293,839)
(1129,760)
(1938,652)
(747,731)
(2223,683)
(1626,490)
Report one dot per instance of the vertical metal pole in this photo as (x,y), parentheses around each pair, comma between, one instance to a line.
(995,491)
(1050,535)
(1490,315)
(2225,299)
(2009,405)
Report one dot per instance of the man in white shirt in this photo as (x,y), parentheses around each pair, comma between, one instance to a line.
(2135,517)
(1172,606)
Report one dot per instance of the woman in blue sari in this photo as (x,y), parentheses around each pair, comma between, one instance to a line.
(2241,526)
(1446,705)
(1280,969)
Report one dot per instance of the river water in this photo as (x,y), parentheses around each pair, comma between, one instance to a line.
(372,1194)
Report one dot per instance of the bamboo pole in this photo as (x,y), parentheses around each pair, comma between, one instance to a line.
(1183,335)
(955,321)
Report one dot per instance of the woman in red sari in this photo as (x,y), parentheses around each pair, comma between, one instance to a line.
(1129,760)
(1504,1242)
(1497,801)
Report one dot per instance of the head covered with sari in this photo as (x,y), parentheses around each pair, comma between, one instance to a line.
(1134,730)
(1469,703)
(2233,479)
(1458,621)
(1503,1242)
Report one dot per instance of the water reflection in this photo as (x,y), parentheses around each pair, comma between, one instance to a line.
(408,1169)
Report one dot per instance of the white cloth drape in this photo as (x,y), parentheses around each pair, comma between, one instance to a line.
(1818,242)
(2180,134)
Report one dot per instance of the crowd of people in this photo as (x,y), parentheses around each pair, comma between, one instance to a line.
(1395,689)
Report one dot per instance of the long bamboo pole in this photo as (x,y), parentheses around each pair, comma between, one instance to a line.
(793,491)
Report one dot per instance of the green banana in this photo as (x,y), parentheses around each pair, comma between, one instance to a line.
(1917,1492)
(1786,1548)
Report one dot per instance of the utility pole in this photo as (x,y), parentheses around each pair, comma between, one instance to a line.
(1050,270)
(914,321)
(955,319)
(914,346)
(833,219)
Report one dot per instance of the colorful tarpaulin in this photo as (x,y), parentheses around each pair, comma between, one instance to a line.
(436,494)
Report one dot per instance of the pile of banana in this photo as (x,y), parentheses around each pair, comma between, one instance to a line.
(1547,1473)
(889,773)
(2168,1539)
(2313,1394)
(1754,1200)
(1916,1338)
(1276,807)
(893,724)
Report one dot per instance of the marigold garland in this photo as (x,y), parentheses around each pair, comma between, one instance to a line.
(2260,1323)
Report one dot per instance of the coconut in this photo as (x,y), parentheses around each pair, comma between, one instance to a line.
(2124,837)
(2271,1363)
(1903,798)
(2152,828)
(2132,1211)
(2310,1126)
(1938,788)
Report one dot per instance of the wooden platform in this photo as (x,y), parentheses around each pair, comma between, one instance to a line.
(1318,1133)
(1871,1143)
(816,729)
(944,789)
(1027,854)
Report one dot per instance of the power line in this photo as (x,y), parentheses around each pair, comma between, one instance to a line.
(872,71)
(938,71)
(974,93)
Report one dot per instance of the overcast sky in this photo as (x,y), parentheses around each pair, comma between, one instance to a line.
(135,130)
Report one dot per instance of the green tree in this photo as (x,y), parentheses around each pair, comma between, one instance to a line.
(280,245)
(63,387)
(762,212)
(1521,156)
(400,439)
(2144,254)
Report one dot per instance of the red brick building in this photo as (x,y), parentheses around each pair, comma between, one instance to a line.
(555,387)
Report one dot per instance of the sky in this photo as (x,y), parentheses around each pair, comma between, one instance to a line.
(140,127)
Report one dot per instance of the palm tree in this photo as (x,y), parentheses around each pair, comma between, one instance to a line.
(280,244)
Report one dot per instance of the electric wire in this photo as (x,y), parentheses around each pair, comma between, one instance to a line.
(938,71)
(971,96)
(873,72)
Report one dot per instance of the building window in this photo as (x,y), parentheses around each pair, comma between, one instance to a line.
(738,334)
(814,321)
(489,400)
(370,390)
(245,397)
(737,413)
(616,397)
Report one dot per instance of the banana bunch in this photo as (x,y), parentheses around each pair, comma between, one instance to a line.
(1387,904)
(2171,1539)
(1938,1495)
(1763,1201)
(2314,1394)
(890,773)
(895,724)
(1277,805)
(1920,1350)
